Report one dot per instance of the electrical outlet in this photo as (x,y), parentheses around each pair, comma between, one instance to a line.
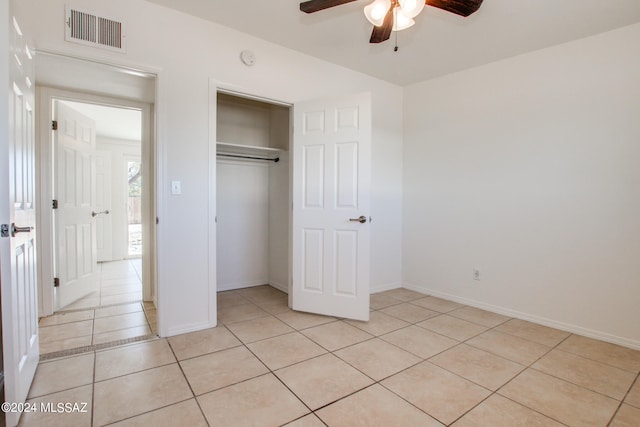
(476,274)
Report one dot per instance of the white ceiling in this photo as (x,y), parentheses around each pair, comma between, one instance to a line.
(112,122)
(440,43)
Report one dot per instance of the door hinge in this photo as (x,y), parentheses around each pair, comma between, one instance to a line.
(4,230)
(56,282)
(54,125)
(54,205)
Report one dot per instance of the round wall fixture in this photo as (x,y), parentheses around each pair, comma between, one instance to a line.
(248,58)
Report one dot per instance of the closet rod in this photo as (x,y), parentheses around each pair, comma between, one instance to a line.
(276,160)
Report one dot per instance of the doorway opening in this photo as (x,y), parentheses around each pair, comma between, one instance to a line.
(98,164)
(97,176)
(98,225)
(252,198)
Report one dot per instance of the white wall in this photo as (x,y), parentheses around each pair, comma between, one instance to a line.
(253,223)
(527,169)
(243,121)
(243,224)
(186,52)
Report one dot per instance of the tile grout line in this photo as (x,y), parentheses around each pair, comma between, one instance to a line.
(195,397)
(427,359)
(495,392)
(422,359)
(615,413)
(379,382)
(270,371)
(93,389)
(332,352)
(530,367)
(136,372)
(156,409)
(491,392)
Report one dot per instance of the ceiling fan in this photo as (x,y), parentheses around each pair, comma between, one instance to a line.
(395,15)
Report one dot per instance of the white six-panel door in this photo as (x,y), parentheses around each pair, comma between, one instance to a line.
(19,287)
(331,174)
(75,190)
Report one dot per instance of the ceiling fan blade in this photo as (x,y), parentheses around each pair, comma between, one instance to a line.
(383,32)
(459,7)
(311,6)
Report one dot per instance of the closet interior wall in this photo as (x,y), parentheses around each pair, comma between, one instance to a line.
(253,196)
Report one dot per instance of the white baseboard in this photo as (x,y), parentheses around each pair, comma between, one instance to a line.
(575,329)
(382,288)
(185,329)
(279,286)
(232,286)
(284,288)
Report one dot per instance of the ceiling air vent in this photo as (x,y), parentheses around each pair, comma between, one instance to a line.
(93,30)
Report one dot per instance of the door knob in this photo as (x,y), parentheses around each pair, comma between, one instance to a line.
(94,214)
(361,219)
(15,230)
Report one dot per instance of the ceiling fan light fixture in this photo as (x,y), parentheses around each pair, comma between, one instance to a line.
(401,21)
(411,8)
(376,11)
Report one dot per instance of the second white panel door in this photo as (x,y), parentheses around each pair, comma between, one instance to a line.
(331,175)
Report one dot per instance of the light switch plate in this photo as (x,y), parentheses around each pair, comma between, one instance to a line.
(176,187)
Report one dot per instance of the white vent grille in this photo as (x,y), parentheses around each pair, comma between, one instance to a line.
(90,29)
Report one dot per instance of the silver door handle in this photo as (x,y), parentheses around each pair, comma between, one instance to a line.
(94,214)
(361,219)
(15,230)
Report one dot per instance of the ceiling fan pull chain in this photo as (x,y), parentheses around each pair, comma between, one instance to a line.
(395,49)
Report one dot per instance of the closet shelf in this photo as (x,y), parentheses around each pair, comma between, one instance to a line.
(248,150)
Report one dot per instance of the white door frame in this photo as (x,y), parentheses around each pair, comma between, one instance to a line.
(214,88)
(45,96)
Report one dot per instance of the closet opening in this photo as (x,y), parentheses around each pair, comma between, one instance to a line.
(253,197)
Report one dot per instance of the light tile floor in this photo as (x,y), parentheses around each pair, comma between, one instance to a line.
(116,313)
(419,361)
(71,330)
(119,282)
